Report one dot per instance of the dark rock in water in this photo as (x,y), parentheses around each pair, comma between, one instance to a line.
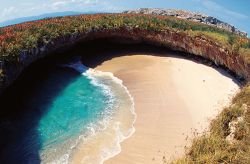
(193,16)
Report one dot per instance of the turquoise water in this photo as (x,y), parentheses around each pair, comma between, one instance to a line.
(61,107)
(81,109)
(52,111)
(72,111)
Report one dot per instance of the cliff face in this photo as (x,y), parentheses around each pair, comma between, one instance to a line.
(193,16)
(172,39)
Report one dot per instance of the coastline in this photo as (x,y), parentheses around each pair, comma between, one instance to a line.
(105,143)
(176,37)
(160,83)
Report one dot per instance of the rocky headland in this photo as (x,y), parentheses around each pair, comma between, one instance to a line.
(188,15)
(24,44)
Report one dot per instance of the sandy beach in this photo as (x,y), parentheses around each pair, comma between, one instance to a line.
(174,97)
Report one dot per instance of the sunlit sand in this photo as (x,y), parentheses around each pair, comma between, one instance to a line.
(174,98)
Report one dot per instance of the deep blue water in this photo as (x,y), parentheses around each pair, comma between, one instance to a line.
(60,105)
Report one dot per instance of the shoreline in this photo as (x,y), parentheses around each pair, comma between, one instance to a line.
(105,143)
(175,143)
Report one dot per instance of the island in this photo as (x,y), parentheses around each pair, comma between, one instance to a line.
(215,44)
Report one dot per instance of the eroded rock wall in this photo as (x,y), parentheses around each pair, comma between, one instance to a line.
(169,38)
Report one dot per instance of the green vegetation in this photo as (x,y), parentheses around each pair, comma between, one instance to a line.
(208,148)
(29,35)
(213,147)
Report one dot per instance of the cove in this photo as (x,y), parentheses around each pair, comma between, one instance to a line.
(49,110)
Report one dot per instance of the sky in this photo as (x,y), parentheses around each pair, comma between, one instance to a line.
(234,12)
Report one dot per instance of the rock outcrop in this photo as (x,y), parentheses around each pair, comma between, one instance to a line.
(171,38)
(174,40)
(193,16)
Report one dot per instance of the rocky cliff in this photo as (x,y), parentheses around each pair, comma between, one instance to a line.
(22,45)
(172,38)
(193,16)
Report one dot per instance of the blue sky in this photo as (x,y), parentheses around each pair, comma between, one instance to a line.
(231,11)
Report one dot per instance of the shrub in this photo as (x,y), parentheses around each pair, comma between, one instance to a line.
(246,45)
(231,39)
(1,32)
(32,34)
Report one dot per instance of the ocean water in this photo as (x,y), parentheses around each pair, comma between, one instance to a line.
(82,121)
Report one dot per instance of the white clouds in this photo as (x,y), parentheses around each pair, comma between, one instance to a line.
(36,7)
(57,5)
(7,12)
(79,5)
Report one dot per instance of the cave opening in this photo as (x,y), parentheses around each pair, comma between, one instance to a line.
(18,119)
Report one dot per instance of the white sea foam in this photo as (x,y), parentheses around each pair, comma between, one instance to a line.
(98,78)
(92,74)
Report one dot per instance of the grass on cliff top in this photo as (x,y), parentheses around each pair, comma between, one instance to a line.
(213,147)
(29,35)
(208,148)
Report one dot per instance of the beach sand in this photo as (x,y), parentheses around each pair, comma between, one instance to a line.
(174,97)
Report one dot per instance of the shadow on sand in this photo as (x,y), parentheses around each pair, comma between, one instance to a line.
(27,100)
(98,51)
(24,104)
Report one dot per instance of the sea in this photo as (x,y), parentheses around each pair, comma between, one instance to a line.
(74,115)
